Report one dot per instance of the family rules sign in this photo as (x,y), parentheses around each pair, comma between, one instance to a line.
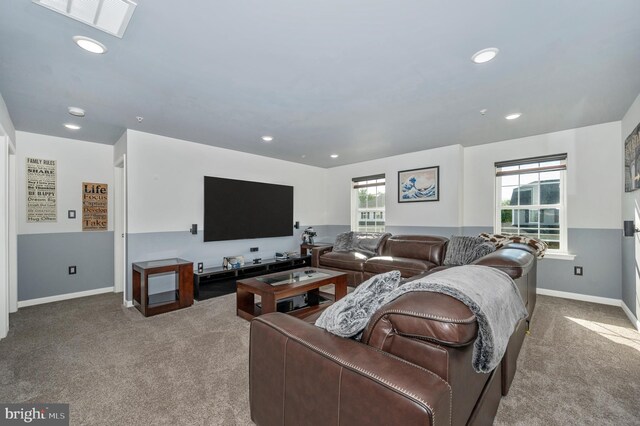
(41,190)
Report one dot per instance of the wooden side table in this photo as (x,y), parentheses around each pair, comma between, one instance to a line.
(159,303)
(305,248)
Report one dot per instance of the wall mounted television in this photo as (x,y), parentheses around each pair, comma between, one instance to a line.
(239,209)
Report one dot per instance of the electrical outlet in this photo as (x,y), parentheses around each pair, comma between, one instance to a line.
(200,267)
(253,249)
(577,270)
(72,270)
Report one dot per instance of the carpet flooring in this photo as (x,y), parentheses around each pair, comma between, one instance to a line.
(580,365)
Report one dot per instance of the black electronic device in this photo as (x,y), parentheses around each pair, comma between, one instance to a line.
(629,228)
(238,209)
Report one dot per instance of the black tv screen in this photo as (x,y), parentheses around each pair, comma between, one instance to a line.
(239,209)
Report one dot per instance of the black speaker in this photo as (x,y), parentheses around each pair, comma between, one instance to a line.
(194,228)
(200,267)
(296,225)
(629,228)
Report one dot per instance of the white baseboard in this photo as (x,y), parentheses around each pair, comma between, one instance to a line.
(632,317)
(128,304)
(577,296)
(57,298)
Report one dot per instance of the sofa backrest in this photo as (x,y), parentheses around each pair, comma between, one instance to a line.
(424,247)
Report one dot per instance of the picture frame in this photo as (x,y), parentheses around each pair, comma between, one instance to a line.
(418,185)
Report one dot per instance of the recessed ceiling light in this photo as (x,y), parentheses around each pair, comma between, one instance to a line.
(484,55)
(267,138)
(334,155)
(76,112)
(90,45)
(512,116)
(72,126)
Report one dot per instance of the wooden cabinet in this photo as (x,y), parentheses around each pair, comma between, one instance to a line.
(150,303)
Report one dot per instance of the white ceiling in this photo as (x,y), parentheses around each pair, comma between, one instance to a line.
(363,79)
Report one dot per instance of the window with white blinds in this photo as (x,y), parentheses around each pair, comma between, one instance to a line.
(367,204)
(531,199)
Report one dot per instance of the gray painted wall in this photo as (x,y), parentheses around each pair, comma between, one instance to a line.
(182,244)
(629,272)
(598,251)
(43,261)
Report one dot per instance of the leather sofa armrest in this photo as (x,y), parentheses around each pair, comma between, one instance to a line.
(516,262)
(316,252)
(301,374)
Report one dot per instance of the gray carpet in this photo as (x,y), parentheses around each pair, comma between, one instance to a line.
(581,364)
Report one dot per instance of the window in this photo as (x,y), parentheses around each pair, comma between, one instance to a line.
(531,199)
(367,204)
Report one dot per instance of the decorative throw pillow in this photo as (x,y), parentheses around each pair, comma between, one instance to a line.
(350,315)
(343,242)
(500,241)
(460,250)
(367,243)
(482,250)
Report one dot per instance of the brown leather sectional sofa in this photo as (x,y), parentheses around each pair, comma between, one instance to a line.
(412,364)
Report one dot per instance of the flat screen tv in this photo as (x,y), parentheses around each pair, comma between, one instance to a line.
(239,209)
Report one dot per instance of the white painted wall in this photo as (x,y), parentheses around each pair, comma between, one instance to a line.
(631,211)
(165,178)
(445,213)
(594,174)
(4,234)
(5,121)
(7,230)
(77,162)
(120,147)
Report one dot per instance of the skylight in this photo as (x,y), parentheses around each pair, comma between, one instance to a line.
(110,16)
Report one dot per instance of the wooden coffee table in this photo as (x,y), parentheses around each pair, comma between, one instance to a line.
(280,285)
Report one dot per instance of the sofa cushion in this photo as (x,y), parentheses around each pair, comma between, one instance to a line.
(352,260)
(349,316)
(343,242)
(408,267)
(424,247)
(464,250)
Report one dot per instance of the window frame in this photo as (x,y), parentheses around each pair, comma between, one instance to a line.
(356,213)
(561,206)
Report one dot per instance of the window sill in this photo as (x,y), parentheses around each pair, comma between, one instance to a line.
(559,256)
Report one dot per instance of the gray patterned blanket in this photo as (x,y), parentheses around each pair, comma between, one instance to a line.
(490,294)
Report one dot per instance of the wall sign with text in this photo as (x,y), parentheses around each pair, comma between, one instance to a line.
(95,208)
(41,190)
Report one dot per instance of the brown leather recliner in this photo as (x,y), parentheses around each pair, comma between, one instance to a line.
(410,254)
(412,365)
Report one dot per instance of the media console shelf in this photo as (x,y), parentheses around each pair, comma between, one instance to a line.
(217,281)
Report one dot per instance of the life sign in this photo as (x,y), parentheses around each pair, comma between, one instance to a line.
(95,206)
